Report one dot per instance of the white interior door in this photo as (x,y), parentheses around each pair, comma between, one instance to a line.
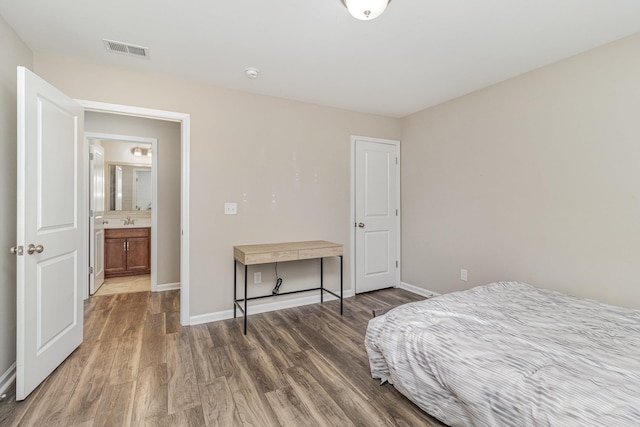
(51,230)
(96,229)
(376,214)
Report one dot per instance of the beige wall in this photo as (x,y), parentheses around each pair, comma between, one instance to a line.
(244,148)
(534,179)
(13,52)
(168,163)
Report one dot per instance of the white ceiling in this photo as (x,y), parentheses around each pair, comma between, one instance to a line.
(419,53)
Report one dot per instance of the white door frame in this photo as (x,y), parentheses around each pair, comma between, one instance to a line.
(154,193)
(352,235)
(185,121)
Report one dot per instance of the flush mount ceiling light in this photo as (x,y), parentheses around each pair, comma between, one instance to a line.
(365,10)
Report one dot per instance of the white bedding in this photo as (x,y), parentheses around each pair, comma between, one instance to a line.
(509,354)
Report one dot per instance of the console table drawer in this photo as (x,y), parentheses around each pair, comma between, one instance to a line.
(319,252)
(269,257)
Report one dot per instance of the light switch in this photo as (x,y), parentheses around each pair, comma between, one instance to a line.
(230,208)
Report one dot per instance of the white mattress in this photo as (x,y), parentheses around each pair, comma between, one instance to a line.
(509,354)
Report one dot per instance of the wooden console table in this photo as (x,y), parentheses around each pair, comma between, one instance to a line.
(281,252)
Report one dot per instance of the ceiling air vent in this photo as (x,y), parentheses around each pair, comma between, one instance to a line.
(126,48)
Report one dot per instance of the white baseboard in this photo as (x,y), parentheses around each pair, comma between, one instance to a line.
(264,308)
(167,287)
(7,378)
(416,290)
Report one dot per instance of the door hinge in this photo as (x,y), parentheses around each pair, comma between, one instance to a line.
(396,212)
(91,213)
(90,156)
(396,160)
(396,264)
(90,270)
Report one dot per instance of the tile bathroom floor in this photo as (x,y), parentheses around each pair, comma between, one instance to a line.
(124,285)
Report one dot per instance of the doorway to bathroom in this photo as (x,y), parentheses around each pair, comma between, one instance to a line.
(138,203)
(122,219)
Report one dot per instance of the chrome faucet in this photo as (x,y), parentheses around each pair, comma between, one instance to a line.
(128,221)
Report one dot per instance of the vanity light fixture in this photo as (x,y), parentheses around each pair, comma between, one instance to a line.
(365,10)
(139,152)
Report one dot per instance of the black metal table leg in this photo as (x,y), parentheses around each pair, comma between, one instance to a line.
(321,280)
(235,279)
(245,300)
(341,285)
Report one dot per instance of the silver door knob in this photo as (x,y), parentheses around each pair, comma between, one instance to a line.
(33,248)
(361,224)
(16,250)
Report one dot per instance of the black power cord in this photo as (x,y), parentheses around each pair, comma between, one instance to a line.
(276,289)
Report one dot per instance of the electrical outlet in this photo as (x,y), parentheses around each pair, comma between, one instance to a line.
(230,208)
(257,277)
(463,274)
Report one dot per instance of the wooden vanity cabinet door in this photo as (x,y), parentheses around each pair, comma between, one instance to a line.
(138,255)
(115,256)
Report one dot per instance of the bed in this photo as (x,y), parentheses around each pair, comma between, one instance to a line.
(510,354)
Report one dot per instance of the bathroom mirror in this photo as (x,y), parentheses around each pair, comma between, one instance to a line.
(128,187)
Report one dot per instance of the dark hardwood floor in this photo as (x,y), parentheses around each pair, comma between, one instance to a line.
(304,366)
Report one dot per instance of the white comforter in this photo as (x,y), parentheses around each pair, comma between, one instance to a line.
(509,354)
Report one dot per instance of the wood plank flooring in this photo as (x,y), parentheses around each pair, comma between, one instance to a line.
(138,366)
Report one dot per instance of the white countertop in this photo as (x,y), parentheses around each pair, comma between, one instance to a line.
(119,223)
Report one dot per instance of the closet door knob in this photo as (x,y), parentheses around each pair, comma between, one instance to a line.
(33,248)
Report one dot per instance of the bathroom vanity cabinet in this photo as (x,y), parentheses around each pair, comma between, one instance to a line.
(127,251)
